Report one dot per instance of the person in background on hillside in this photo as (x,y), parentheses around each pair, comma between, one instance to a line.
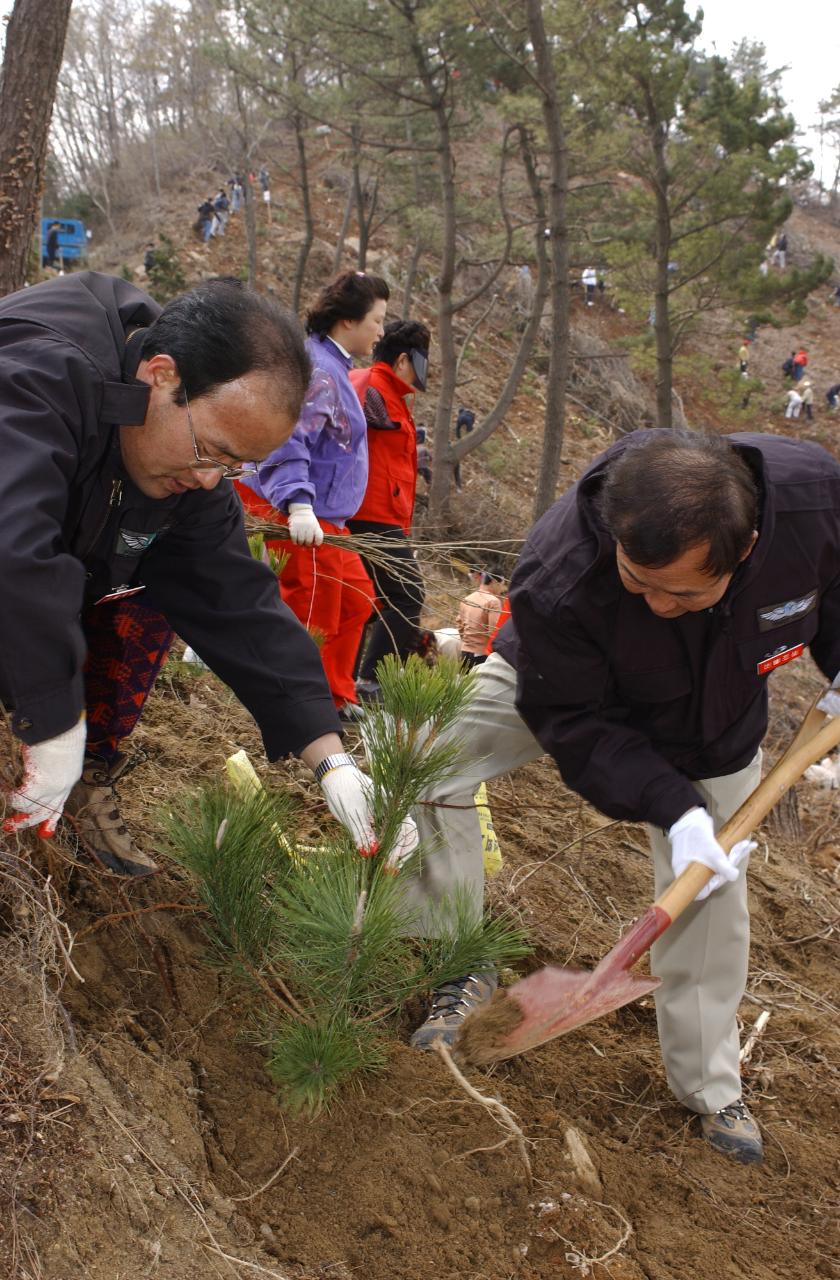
(478,614)
(780,251)
(424,456)
(386,390)
(149,257)
(589,280)
(236,194)
(678,564)
(221,207)
(744,358)
(464,423)
(523,293)
(831,396)
(265,187)
(793,403)
(52,245)
(121,426)
(204,225)
(787,365)
(807,393)
(800,360)
(315,482)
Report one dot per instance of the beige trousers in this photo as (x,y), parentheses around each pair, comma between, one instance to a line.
(702,959)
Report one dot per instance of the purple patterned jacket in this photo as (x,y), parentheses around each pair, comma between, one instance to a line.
(325,460)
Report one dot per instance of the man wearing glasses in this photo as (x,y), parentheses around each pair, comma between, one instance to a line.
(120,427)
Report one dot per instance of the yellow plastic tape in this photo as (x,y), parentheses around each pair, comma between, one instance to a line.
(490,848)
(242,774)
(245,780)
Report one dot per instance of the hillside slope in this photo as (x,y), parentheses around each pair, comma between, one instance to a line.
(141,1136)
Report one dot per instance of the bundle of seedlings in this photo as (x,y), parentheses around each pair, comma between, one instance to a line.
(276,561)
(326,937)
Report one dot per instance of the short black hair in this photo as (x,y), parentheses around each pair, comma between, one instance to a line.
(401,337)
(674,490)
(349,296)
(222,330)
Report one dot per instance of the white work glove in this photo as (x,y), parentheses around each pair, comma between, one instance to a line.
(830,701)
(826,773)
(693,840)
(348,793)
(304,529)
(50,771)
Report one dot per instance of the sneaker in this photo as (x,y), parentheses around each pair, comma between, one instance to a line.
(368,690)
(733,1132)
(450,1005)
(93,805)
(351,713)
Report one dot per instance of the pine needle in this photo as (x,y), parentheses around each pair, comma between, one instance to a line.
(311,1063)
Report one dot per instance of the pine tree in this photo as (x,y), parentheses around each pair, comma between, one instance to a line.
(322,935)
(706,152)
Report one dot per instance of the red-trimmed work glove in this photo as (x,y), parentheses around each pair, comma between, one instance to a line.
(50,771)
(348,792)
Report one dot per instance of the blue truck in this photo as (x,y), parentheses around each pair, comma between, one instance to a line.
(71,249)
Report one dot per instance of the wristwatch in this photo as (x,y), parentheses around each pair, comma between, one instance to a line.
(332,762)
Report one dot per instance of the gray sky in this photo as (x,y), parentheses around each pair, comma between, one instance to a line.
(800,34)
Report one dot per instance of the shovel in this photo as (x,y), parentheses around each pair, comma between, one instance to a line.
(552,1001)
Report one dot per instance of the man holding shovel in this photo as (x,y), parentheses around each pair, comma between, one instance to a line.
(649,606)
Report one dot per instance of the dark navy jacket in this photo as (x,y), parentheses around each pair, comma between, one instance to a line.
(73,526)
(634,707)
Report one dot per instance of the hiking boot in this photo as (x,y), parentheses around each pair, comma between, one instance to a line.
(733,1132)
(368,690)
(93,806)
(450,1005)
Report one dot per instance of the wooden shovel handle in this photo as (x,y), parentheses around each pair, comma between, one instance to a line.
(817,735)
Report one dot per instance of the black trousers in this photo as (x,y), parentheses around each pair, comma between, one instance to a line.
(399,590)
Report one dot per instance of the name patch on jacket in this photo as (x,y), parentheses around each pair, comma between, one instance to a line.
(775,660)
(130,543)
(776,615)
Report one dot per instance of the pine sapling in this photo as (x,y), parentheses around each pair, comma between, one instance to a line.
(326,937)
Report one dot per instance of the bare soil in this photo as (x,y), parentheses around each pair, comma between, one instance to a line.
(140,1135)
(148,1151)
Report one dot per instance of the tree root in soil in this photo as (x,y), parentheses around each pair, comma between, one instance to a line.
(502,1115)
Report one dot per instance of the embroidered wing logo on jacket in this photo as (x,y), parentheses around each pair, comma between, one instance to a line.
(130,543)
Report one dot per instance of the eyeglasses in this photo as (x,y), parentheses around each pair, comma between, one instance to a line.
(210,464)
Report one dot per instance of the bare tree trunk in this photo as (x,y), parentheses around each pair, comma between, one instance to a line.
(411,277)
(250,222)
(364,198)
(558,360)
(442,460)
(358,195)
(418,249)
(34,46)
(246,148)
(308,220)
(342,232)
(494,418)
(662,318)
(370,197)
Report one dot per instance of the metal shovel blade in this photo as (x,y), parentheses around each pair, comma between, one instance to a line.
(552,1001)
(546,1004)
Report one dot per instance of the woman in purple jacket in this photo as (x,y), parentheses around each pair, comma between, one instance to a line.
(316,481)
